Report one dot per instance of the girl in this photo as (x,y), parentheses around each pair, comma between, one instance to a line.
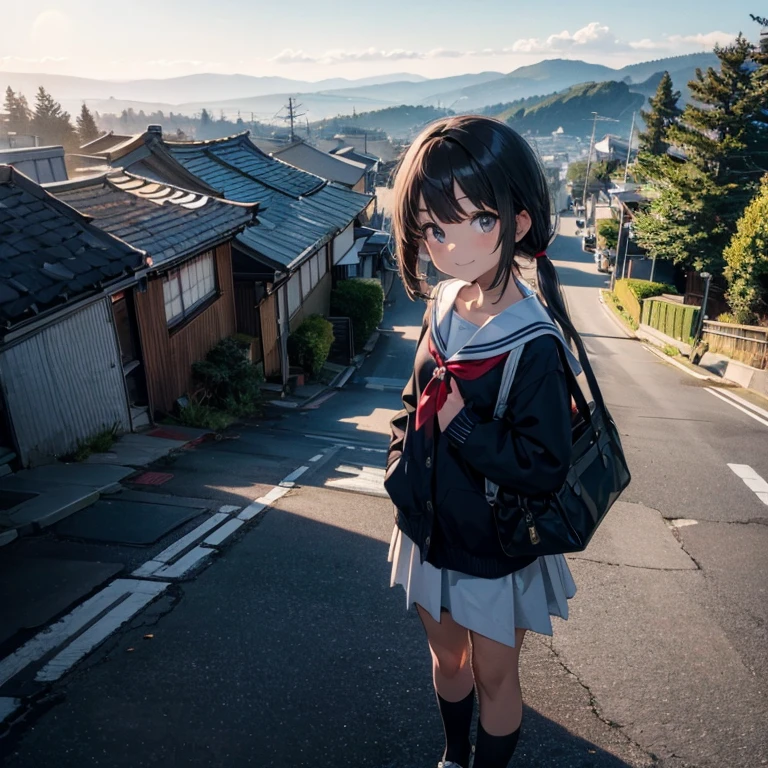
(471,197)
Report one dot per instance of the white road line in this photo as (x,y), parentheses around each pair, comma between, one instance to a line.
(252,510)
(365,480)
(316,458)
(184,564)
(99,632)
(57,634)
(751,406)
(228,509)
(752,480)
(297,473)
(735,405)
(223,532)
(151,567)
(276,493)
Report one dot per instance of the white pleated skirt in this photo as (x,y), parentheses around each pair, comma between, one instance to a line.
(525,599)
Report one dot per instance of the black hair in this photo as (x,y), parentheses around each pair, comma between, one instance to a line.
(497,169)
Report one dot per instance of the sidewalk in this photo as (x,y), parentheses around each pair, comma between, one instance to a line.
(69,528)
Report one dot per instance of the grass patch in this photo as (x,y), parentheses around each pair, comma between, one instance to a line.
(617,308)
(101,442)
(668,349)
(205,417)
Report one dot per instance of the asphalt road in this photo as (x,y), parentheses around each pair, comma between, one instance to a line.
(290,649)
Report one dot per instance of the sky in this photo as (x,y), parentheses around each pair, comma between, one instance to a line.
(314,40)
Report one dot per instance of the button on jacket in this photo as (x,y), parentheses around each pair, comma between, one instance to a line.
(437,480)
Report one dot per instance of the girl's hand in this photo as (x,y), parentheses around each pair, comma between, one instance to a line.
(451,408)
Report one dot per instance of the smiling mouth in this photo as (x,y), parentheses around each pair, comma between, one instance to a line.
(464,264)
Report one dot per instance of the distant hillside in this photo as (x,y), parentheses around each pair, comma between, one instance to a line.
(181,90)
(572,110)
(401,123)
(679,64)
(267,97)
(415,92)
(555,75)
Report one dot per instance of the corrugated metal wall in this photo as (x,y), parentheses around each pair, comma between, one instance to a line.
(168,357)
(64,384)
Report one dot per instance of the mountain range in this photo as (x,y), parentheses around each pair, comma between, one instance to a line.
(267,97)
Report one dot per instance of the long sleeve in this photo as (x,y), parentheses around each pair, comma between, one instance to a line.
(399,422)
(528,450)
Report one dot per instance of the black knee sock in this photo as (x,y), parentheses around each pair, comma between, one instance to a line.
(494,751)
(457,720)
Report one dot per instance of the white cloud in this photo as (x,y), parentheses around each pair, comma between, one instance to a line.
(337,56)
(685,42)
(594,38)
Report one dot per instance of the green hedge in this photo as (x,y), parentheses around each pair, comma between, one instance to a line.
(310,343)
(362,301)
(675,320)
(632,293)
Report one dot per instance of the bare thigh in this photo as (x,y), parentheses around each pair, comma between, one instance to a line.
(448,641)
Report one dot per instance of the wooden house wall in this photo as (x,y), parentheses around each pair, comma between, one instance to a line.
(169,354)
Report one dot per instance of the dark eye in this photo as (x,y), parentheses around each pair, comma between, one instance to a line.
(485,222)
(433,232)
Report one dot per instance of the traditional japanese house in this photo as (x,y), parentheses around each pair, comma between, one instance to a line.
(185,303)
(282,266)
(61,380)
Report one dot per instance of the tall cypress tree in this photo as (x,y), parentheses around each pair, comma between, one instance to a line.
(87,130)
(660,117)
(18,111)
(723,133)
(51,122)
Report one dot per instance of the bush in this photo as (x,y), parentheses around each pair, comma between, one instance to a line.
(362,301)
(632,293)
(231,382)
(608,233)
(747,261)
(310,343)
(675,320)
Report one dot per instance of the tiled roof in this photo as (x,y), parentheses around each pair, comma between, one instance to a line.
(41,164)
(165,221)
(104,143)
(49,253)
(298,211)
(350,153)
(344,170)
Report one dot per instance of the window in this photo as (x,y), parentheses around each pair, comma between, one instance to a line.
(306,283)
(187,288)
(294,295)
(314,267)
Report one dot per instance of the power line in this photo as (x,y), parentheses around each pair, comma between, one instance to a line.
(293,115)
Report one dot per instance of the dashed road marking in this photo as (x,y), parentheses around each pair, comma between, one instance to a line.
(74,622)
(752,480)
(87,625)
(362,479)
(100,631)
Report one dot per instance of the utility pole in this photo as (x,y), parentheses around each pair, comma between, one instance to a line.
(589,158)
(589,165)
(629,147)
(293,116)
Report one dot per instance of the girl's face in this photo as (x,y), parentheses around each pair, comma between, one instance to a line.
(466,250)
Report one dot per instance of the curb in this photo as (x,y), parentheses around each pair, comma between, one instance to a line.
(608,311)
(648,344)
